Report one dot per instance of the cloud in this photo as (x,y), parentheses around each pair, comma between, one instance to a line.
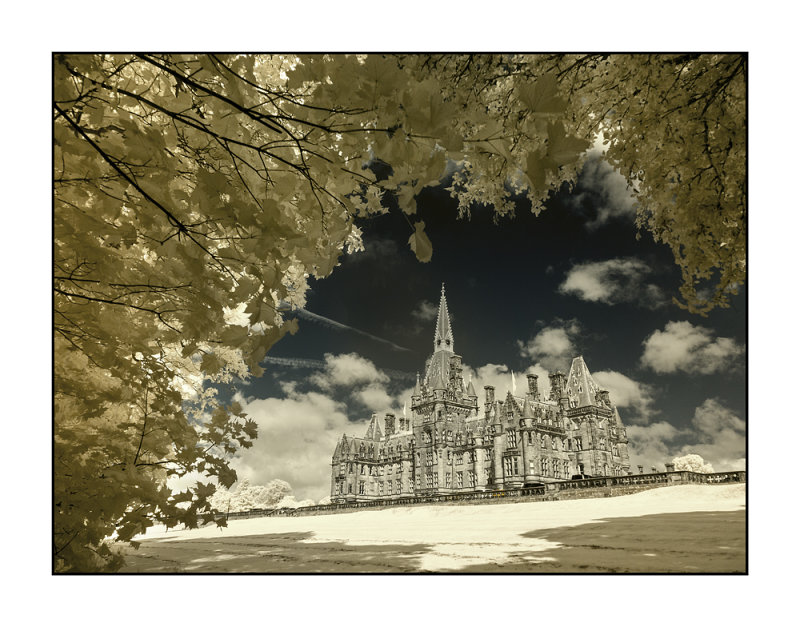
(613,281)
(375,397)
(296,439)
(651,445)
(347,370)
(297,434)
(720,436)
(628,394)
(716,433)
(425,311)
(553,347)
(683,346)
(601,187)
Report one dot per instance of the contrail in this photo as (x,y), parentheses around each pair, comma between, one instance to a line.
(292,362)
(332,324)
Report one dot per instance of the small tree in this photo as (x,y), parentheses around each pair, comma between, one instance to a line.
(693,463)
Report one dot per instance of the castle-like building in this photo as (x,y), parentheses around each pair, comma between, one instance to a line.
(447,446)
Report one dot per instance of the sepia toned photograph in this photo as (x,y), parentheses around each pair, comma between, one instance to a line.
(400,313)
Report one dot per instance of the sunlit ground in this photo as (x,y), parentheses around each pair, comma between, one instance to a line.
(681,529)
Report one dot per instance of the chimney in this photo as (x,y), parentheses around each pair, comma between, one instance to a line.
(653,469)
(533,385)
(604,398)
(389,424)
(670,467)
(489,394)
(641,469)
(557,382)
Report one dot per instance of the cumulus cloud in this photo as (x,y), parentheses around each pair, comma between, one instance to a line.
(374,396)
(553,347)
(603,188)
(651,445)
(296,438)
(692,349)
(625,393)
(614,281)
(347,370)
(716,433)
(720,436)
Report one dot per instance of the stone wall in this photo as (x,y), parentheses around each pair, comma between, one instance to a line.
(557,491)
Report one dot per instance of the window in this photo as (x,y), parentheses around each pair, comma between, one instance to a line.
(429,459)
(544,467)
(544,441)
(566,469)
(362,468)
(459,479)
(459,459)
(556,469)
(472,457)
(411,485)
(361,487)
(511,438)
(472,482)
(380,488)
(338,488)
(429,480)
(578,444)
(530,437)
(614,450)
(449,456)
(398,487)
(602,443)
(553,443)
(448,480)
(435,480)
(511,466)
(349,488)
(341,469)
(531,467)
(389,486)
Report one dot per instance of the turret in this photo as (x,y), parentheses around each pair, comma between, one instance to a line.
(389,424)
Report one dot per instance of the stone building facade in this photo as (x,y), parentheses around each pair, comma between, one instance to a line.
(447,445)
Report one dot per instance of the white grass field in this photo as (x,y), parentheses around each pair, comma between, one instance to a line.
(455,537)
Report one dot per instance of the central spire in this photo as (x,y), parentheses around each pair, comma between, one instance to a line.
(443,338)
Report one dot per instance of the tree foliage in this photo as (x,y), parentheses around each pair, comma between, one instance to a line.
(673,125)
(693,463)
(194,194)
(246,497)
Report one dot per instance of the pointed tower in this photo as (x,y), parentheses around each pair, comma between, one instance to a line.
(443,338)
(438,373)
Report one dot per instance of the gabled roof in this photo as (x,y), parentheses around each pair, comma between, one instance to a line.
(581,387)
(373,429)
